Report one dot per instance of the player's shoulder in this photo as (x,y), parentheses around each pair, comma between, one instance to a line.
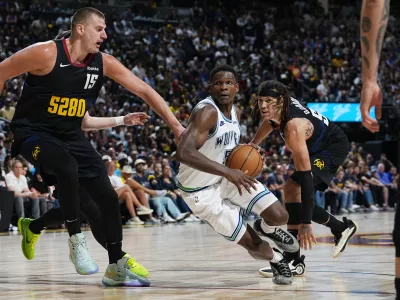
(43,49)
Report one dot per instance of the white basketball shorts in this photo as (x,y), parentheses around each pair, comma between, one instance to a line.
(222,207)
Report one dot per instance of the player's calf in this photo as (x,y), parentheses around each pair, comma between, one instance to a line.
(268,226)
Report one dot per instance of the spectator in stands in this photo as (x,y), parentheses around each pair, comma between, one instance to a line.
(37,186)
(168,183)
(17,183)
(7,112)
(162,205)
(126,195)
(340,189)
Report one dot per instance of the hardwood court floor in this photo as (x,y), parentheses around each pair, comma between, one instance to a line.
(190,261)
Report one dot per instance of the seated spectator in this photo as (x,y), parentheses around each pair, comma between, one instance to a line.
(168,183)
(37,185)
(383,178)
(340,189)
(366,183)
(125,195)
(17,183)
(161,204)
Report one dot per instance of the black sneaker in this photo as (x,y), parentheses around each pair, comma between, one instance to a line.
(283,239)
(297,267)
(282,274)
(342,240)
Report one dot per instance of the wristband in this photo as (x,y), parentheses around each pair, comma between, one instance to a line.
(119,121)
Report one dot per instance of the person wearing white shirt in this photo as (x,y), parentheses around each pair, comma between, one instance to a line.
(17,183)
(126,195)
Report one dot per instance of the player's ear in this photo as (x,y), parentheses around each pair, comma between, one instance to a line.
(237,87)
(80,29)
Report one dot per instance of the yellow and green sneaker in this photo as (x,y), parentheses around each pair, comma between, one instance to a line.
(29,238)
(135,267)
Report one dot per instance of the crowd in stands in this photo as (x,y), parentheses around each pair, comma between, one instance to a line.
(316,55)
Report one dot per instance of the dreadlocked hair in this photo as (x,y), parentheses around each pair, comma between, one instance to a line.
(275,89)
(64,34)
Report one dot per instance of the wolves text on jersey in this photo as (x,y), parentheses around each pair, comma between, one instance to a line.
(226,139)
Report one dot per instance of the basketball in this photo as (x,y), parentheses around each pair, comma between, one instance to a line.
(245,158)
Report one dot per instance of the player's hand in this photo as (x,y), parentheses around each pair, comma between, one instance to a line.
(306,236)
(259,150)
(136,119)
(371,95)
(240,179)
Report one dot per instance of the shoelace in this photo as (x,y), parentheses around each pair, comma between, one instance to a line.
(284,268)
(281,235)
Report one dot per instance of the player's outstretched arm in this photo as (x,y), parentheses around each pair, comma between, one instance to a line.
(262,132)
(96,123)
(373,23)
(116,71)
(203,119)
(295,137)
(38,59)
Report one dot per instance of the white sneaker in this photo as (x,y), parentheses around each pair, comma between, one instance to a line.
(168,219)
(192,218)
(80,256)
(134,221)
(12,228)
(374,208)
(355,206)
(161,193)
(182,216)
(344,211)
(351,210)
(143,210)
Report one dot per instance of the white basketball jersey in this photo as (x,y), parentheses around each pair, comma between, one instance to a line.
(217,148)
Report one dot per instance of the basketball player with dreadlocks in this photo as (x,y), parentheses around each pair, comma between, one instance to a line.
(319,147)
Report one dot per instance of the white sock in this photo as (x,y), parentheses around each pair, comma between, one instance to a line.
(277,257)
(267,228)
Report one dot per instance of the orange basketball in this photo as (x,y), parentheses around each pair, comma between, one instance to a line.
(245,158)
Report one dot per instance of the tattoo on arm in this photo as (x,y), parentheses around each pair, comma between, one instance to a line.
(386,10)
(309,129)
(379,39)
(365,41)
(366,24)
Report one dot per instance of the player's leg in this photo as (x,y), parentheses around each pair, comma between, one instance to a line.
(122,269)
(227,220)
(273,214)
(55,160)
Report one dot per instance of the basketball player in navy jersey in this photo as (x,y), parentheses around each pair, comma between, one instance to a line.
(374,19)
(63,82)
(319,147)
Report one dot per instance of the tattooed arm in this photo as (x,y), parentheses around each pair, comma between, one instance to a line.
(374,19)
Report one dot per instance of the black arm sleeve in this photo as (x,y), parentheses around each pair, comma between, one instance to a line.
(307,196)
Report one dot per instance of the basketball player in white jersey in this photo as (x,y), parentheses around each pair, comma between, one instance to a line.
(220,195)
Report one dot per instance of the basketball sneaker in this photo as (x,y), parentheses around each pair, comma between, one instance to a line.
(79,255)
(297,267)
(120,274)
(344,237)
(281,273)
(283,239)
(29,238)
(136,268)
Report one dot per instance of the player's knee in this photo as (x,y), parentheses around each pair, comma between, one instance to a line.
(67,167)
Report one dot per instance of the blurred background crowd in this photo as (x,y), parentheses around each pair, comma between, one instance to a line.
(311,46)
